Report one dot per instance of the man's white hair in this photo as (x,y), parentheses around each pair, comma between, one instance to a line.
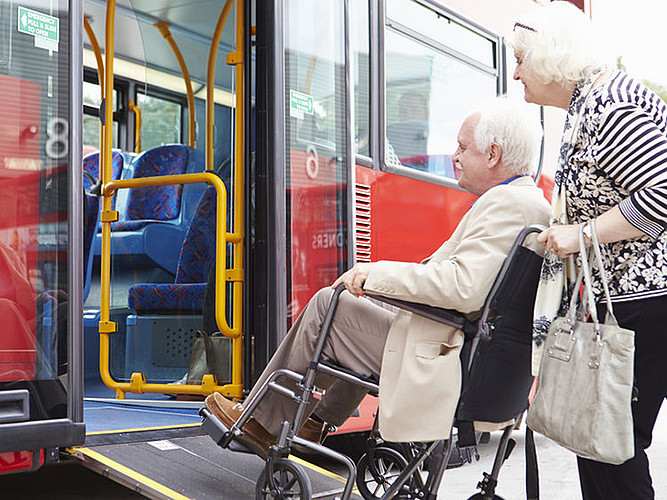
(558,43)
(515,128)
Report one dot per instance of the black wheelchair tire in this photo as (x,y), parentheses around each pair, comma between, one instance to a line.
(289,478)
(384,462)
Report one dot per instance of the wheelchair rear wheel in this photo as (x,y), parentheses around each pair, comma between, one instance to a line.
(376,474)
(289,482)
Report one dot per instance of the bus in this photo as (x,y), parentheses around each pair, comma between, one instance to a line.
(180,178)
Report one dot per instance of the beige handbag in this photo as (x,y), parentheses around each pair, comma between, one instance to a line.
(584,389)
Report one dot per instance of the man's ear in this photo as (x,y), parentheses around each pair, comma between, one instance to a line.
(494,155)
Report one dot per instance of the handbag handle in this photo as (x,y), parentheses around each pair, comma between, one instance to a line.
(584,276)
(603,276)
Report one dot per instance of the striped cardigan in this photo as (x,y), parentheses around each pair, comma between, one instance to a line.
(620,158)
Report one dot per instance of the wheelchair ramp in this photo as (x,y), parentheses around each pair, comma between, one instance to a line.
(181,463)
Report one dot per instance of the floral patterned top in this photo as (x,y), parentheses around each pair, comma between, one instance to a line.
(619,157)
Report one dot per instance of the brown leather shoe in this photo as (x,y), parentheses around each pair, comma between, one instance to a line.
(312,430)
(254,436)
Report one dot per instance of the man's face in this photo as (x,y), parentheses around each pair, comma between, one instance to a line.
(471,162)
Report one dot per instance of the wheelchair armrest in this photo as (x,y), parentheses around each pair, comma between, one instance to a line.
(483,327)
(446,316)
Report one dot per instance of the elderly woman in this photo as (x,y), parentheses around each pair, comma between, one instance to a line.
(612,168)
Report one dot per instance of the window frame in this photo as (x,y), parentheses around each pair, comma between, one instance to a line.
(122,89)
(165,95)
(127,89)
(387,24)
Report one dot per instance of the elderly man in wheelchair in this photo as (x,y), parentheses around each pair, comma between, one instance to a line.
(343,340)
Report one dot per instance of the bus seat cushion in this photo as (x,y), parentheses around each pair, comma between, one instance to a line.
(128,225)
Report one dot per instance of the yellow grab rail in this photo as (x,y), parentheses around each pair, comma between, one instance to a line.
(233,58)
(210,82)
(96,50)
(164,30)
(237,58)
(138,382)
(106,326)
(100,76)
(137,125)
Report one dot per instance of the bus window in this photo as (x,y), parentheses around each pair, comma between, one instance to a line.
(442,30)
(361,72)
(161,121)
(429,90)
(316,176)
(91,121)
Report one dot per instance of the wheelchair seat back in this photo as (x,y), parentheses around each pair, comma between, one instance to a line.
(496,386)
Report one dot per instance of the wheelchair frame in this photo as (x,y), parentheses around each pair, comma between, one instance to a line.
(409,483)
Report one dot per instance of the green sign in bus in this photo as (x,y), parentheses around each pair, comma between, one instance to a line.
(35,23)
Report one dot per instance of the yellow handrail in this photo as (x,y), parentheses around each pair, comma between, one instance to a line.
(96,50)
(192,124)
(107,215)
(233,58)
(100,75)
(138,382)
(237,58)
(137,125)
(210,82)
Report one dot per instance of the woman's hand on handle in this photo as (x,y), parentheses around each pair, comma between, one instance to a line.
(611,226)
(560,240)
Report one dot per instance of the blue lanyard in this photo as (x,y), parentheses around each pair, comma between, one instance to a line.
(506,181)
(513,178)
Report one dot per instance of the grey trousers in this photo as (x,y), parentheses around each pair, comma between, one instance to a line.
(356,341)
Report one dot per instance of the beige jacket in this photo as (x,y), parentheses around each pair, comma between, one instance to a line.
(421,373)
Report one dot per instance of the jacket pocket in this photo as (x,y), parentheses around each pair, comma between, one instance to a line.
(432,350)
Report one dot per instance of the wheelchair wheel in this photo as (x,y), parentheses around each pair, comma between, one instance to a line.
(375,476)
(289,480)
(479,496)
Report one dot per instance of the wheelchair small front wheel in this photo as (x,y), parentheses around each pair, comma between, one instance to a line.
(286,481)
(479,496)
(376,473)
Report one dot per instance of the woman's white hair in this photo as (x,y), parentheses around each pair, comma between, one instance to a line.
(515,128)
(558,43)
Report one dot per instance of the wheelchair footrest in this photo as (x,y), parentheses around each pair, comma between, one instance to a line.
(219,433)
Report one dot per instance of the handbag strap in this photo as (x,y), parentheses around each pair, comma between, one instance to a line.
(584,275)
(603,275)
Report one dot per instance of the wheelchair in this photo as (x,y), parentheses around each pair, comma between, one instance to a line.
(495,386)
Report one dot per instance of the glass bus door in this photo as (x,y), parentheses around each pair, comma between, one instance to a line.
(39,281)
(303,153)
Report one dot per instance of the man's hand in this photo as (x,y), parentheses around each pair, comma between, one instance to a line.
(354,278)
(560,240)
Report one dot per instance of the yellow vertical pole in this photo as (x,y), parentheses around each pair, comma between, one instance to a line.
(239,150)
(107,216)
